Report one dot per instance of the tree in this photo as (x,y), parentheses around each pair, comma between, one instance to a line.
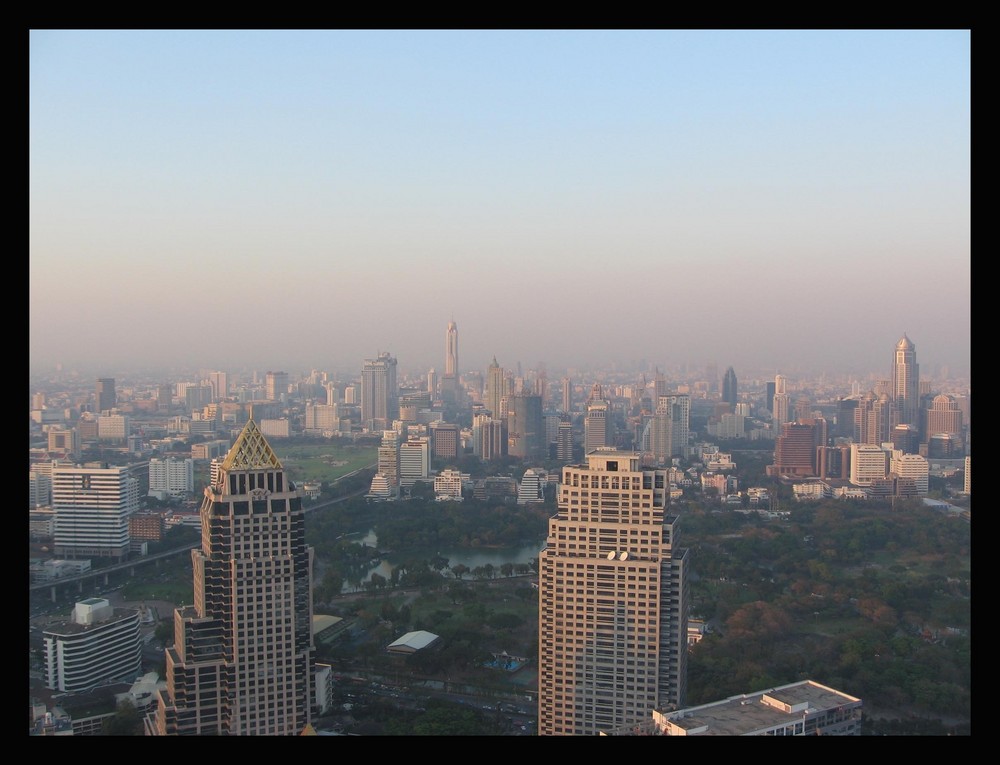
(126,721)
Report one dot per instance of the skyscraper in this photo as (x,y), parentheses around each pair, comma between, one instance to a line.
(242,659)
(451,350)
(92,507)
(729,391)
(106,396)
(613,600)
(494,389)
(598,424)
(526,427)
(906,382)
(379,393)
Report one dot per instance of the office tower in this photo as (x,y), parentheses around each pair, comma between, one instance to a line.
(769,387)
(564,440)
(171,477)
(432,382)
(795,449)
(526,427)
(873,419)
(494,389)
(379,392)
(868,463)
(276,386)
(944,416)
(322,418)
(164,396)
(670,427)
(107,399)
(912,467)
(598,423)
(489,437)
(63,442)
(967,483)
(97,645)
(414,460)
(219,382)
(729,390)
(92,507)
(242,659)
(448,485)
(446,442)
(905,438)
(613,600)
(906,382)
(567,395)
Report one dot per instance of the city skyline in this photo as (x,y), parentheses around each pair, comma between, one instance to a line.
(767,199)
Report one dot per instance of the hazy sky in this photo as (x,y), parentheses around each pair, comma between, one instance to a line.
(306,199)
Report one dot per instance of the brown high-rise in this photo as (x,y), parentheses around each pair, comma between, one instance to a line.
(242,659)
(613,600)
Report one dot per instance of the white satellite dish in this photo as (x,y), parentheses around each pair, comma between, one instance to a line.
(623,556)
(611,555)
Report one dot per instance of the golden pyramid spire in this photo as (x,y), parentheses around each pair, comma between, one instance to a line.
(251,450)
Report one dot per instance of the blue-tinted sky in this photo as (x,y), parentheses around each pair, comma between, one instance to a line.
(306,199)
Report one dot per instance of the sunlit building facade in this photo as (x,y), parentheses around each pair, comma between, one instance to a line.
(613,599)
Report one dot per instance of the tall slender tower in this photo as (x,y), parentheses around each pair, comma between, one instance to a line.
(613,600)
(729,391)
(242,659)
(906,382)
(451,350)
(494,388)
(379,393)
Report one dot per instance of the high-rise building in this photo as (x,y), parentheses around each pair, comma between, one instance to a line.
(379,393)
(670,427)
(106,397)
(868,463)
(564,440)
(242,659)
(944,416)
(451,350)
(414,460)
(795,449)
(906,382)
(388,458)
(92,507)
(729,389)
(494,389)
(219,381)
(598,423)
(526,427)
(613,600)
(489,437)
(171,477)
(276,386)
(567,395)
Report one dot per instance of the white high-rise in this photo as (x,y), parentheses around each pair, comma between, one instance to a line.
(906,382)
(92,506)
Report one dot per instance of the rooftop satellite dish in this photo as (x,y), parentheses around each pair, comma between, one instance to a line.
(611,555)
(623,556)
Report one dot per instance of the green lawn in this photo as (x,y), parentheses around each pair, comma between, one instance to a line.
(324,462)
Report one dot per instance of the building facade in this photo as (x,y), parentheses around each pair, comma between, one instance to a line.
(242,660)
(379,393)
(613,599)
(92,506)
(97,645)
(906,382)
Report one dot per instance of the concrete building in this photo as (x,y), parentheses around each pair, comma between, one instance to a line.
(171,477)
(905,382)
(97,645)
(613,600)
(532,486)
(379,393)
(868,463)
(526,427)
(912,467)
(242,661)
(598,422)
(92,507)
(414,460)
(804,708)
(448,485)
(106,398)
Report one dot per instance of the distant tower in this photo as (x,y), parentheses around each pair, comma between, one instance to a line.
(451,350)
(242,659)
(276,386)
(106,396)
(906,382)
(567,395)
(494,388)
(379,393)
(729,391)
(525,427)
(598,424)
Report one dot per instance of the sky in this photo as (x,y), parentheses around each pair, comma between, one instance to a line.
(307,199)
